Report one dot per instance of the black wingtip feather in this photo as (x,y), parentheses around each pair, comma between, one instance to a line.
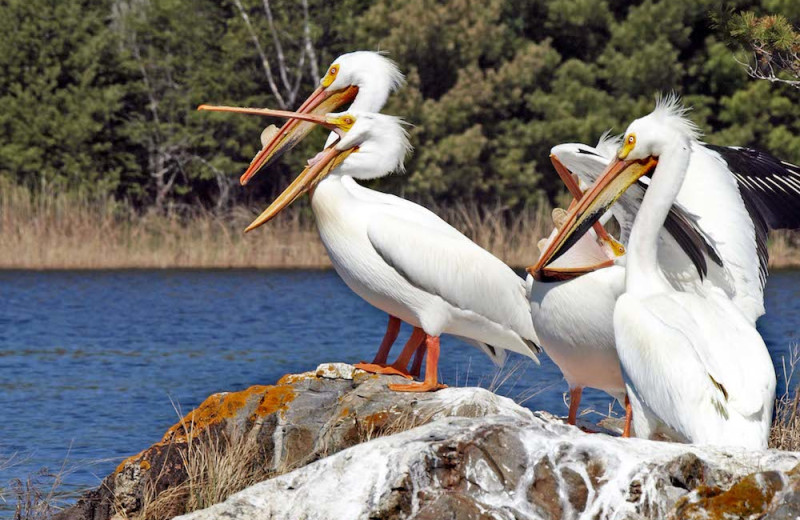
(771,185)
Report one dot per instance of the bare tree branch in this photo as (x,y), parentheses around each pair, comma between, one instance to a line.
(313,64)
(290,78)
(264,61)
(278,48)
(763,65)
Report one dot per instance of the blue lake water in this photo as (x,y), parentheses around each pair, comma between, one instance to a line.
(93,365)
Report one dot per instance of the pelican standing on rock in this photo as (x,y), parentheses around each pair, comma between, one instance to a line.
(365,79)
(399,256)
(725,241)
(580,338)
(695,361)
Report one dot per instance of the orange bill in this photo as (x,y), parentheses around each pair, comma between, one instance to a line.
(618,177)
(320,102)
(322,165)
(575,191)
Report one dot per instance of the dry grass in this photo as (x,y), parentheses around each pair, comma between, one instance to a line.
(395,422)
(784,249)
(216,465)
(40,495)
(67,231)
(785,432)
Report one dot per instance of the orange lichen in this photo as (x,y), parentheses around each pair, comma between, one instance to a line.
(276,399)
(376,420)
(140,457)
(359,376)
(213,410)
(216,409)
(124,463)
(289,379)
(748,497)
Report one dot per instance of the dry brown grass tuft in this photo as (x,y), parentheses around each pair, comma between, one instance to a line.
(68,231)
(784,249)
(785,432)
(217,465)
(393,422)
(40,495)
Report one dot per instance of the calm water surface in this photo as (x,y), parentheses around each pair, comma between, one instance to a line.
(94,364)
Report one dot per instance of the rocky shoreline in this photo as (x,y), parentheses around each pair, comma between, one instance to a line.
(335,443)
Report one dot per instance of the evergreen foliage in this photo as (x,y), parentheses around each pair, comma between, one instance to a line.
(99,96)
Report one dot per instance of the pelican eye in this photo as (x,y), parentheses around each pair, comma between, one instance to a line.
(346,122)
(627,146)
(330,76)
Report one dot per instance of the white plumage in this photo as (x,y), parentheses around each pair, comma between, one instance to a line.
(694,360)
(413,265)
(715,200)
(399,256)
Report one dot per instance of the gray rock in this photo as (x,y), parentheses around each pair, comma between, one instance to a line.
(302,418)
(461,467)
(338,444)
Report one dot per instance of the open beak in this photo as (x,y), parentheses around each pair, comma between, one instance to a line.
(575,190)
(320,102)
(306,181)
(317,168)
(618,177)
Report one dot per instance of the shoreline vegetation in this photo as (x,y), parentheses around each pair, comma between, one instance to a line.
(67,231)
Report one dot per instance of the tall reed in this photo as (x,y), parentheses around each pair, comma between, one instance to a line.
(72,231)
(68,231)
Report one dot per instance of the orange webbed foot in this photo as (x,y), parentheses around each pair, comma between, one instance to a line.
(417,387)
(374,368)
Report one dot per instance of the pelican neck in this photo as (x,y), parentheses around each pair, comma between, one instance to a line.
(643,274)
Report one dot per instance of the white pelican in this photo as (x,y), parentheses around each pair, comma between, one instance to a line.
(364,79)
(573,315)
(770,194)
(695,361)
(573,320)
(399,256)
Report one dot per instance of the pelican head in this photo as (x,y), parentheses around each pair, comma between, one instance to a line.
(370,145)
(644,141)
(373,75)
(655,133)
(363,78)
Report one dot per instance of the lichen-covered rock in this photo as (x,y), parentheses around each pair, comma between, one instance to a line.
(500,467)
(300,419)
(336,443)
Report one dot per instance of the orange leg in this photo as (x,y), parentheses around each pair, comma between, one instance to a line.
(399,367)
(414,343)
(431,382)
(574,402)
(628,416)
(392,330)
(416,368)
